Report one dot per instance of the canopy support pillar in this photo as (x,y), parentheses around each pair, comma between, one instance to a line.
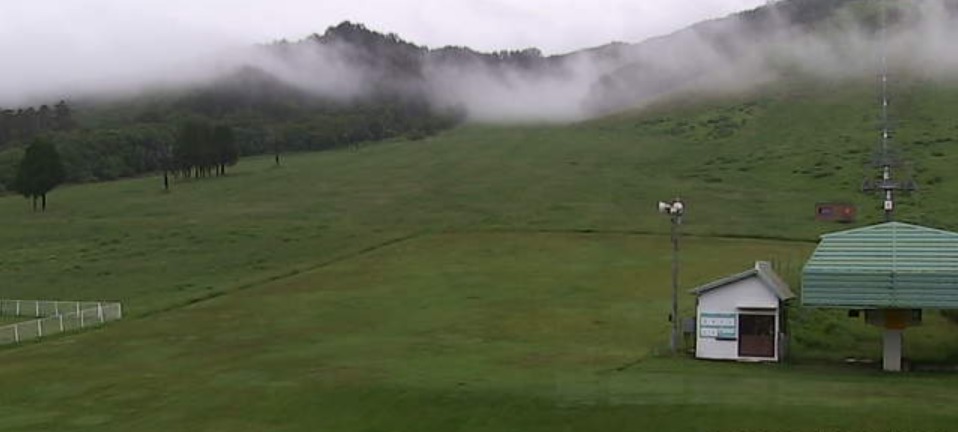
(893,323)
(891,350)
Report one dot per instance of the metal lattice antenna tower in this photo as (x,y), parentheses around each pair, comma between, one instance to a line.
(886,161)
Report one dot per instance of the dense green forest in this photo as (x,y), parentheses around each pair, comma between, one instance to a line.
(104,146)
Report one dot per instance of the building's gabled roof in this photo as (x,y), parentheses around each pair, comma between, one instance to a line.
(890,265)
(763,271)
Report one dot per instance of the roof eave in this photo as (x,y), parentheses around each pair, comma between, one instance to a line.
(765,274)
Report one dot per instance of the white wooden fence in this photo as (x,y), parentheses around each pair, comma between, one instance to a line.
(52,317)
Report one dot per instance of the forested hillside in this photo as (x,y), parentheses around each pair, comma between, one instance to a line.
(110,139)
(352,85)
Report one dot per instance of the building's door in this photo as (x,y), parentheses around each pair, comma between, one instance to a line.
(756,335)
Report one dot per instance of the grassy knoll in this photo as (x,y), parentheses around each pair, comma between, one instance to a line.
(491,278)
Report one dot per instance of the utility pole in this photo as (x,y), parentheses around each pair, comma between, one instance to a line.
(167,165)
(675,210)
(886,161)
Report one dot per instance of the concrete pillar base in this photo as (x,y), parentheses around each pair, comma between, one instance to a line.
(891,350)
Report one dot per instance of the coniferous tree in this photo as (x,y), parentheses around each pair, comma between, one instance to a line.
(186,151)
(202,149)
(62,117)
(227,154)
(44,120)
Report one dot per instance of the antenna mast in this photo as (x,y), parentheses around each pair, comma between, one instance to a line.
(886,160)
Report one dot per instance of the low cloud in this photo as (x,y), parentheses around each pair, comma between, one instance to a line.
(725,55)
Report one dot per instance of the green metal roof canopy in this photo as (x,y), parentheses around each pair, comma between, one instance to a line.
(891,265)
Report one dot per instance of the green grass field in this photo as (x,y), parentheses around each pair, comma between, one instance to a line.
(491,278)
(5,320)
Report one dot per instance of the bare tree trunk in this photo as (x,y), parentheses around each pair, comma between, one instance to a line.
(43,198)
(276,151)
(166,180)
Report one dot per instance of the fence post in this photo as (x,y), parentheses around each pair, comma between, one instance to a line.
(78,308)
(61,323)
(99,311)
(39,329)
(119,310)
(56,307)
(81,315)
(37,304)
(16,333)
(18,308)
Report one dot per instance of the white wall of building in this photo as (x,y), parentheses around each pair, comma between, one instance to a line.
(730,299)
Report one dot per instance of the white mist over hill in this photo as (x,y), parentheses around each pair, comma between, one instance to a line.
(53,47)
(732,54)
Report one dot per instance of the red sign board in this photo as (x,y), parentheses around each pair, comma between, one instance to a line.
(836,212)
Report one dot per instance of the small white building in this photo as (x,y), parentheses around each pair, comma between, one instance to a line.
(742,317)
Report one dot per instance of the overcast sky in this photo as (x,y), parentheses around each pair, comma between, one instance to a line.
(64,41)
